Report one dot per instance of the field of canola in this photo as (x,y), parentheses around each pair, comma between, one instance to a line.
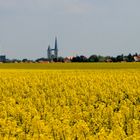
(70,104)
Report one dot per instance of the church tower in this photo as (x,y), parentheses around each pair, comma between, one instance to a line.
(49,53)
(56,49)
(54,55)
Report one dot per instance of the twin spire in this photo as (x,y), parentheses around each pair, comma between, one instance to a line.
(53,53)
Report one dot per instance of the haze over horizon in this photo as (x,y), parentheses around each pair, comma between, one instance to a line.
(83,27)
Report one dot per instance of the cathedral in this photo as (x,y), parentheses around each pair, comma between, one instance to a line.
(53,53)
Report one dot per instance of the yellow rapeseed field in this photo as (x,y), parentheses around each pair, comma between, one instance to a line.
(70,104)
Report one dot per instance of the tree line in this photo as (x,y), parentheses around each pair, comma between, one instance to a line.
(99,58)
(81,58)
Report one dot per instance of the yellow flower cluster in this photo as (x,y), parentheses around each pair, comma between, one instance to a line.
(69,104)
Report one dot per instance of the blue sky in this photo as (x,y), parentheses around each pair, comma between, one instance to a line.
(105,27)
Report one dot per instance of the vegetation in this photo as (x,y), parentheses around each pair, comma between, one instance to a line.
(75,101)
(80,58)
(73,104)
(99,58)
(92,66)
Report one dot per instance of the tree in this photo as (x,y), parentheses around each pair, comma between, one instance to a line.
(130,58)
(25,60)
(93,58)
(83,58)
(60,59)
(79,59)
(119,58)
(101,58)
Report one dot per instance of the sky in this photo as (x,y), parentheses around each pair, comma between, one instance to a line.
(82,27)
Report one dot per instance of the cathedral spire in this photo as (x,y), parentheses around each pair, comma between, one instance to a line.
(54,55)
(56,43)
(49,52)
(56,48)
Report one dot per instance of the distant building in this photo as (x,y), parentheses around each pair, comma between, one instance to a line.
(53,53)
(68,59)
(108,60)
(2,58)
(137,58)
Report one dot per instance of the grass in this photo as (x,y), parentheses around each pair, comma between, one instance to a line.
(68,66)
